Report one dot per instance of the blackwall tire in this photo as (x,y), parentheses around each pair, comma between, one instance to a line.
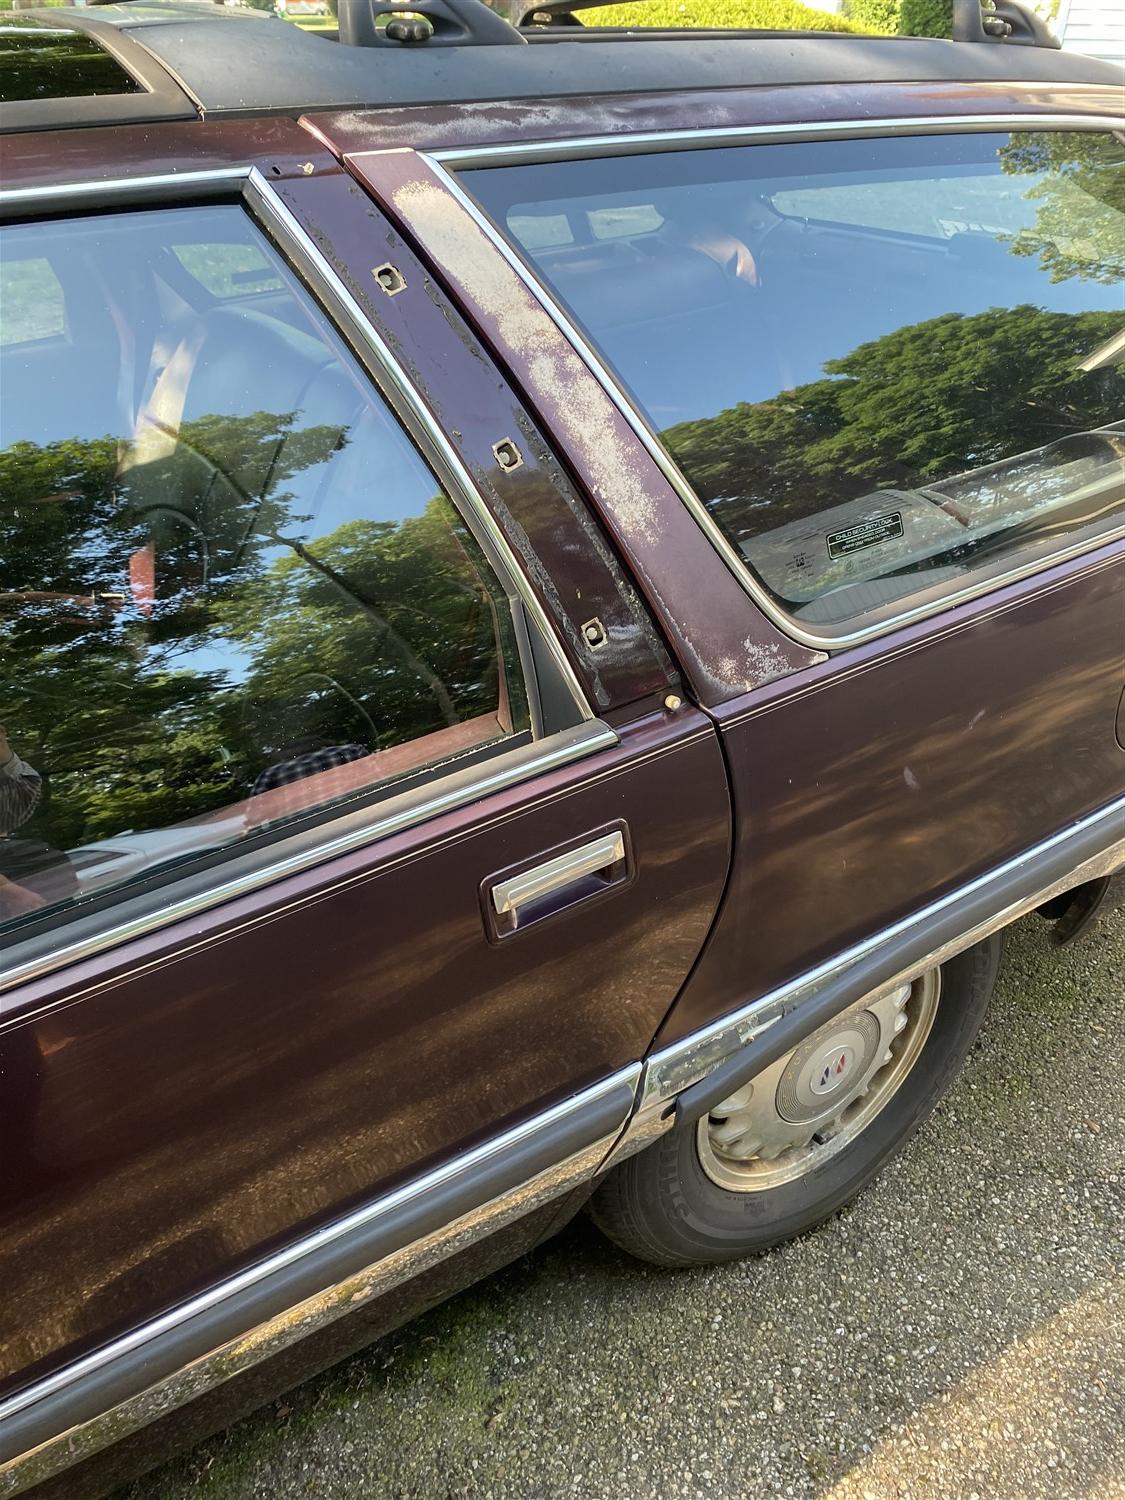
(665,1205)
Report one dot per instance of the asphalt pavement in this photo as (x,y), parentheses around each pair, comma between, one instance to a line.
(958,1332)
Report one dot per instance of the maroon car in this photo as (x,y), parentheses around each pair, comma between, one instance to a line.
(560,589)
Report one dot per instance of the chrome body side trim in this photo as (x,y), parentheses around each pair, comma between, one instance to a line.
(673,1069)
(457,787)
(654,1086)
(232,1358)
(18,1471)
(446,163)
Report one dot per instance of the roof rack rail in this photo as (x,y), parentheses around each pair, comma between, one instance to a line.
(447,23)
(454,23)
(973,20)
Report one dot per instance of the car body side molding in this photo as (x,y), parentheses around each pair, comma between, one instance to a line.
(686,1079)
(92,1402)
(95,1401)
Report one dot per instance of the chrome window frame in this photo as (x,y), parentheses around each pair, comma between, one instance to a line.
(339,830)
(448,163)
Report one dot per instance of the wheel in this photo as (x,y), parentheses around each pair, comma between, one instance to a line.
(803,1138)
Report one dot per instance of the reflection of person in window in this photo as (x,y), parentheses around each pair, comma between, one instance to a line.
(299,779)
(20,788)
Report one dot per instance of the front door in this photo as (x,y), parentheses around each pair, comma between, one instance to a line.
(321,863)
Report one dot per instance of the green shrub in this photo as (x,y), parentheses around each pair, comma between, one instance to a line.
(880,16)
(926,18)
(765,15)
(902,17)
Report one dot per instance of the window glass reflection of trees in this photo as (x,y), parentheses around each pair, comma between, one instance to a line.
(930,400)
(167,640)
(920,310)
(953,393)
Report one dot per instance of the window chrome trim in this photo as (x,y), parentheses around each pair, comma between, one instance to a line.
(120,189)
(446,163)
(334,1300)
(630,143)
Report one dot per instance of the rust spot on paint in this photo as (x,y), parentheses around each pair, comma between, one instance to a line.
(557,376)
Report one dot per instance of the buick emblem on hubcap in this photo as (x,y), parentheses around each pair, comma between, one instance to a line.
(834,1069)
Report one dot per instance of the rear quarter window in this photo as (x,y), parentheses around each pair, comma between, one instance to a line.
(889,369)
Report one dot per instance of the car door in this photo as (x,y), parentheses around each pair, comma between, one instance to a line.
(879,370)
(356,839)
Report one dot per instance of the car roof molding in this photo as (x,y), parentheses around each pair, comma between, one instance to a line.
(201,58)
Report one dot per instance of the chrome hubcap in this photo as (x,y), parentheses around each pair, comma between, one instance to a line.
(814,1101)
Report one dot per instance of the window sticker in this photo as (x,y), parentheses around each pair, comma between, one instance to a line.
(866,534)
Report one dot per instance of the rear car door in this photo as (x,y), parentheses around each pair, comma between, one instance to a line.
(880,367)
(355,842)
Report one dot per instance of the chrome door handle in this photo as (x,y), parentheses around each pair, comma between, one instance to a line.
(600,854)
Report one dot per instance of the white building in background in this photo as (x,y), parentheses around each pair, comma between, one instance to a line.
(1093,26)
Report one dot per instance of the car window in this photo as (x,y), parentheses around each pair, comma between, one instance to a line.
(233,596)
(43,58)
(884,366)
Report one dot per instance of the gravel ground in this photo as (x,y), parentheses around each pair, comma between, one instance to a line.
(959,1332)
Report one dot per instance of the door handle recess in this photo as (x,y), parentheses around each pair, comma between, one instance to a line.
(568,877)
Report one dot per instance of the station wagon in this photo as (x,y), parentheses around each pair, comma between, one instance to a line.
(561,588)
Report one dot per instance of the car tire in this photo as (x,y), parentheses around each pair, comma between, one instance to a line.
(665,1205)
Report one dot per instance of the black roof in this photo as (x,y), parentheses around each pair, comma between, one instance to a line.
(194,58)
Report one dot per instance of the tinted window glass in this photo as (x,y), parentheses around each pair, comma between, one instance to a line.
(231,592)
(42,60)
(883,365)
